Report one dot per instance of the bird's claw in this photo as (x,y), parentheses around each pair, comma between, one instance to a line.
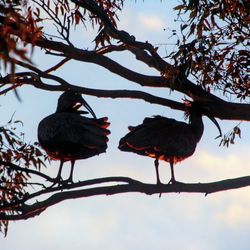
(173,182)
(58,181)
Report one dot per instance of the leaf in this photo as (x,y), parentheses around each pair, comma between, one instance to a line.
(62,10)
(179,7)
(19,121)
(237,131)
(184,26)
(56,10)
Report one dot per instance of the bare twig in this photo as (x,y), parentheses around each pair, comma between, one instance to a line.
(57,66)
(26,170)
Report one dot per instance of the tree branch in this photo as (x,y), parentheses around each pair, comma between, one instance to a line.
(220,109)
(215,106)
(132,186)
(26,78)
(57,66)
(182,85)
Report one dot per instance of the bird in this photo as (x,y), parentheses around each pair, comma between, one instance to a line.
(68,135)
(166,139)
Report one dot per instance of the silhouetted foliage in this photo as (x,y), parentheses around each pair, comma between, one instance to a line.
(213,45)
(17,159)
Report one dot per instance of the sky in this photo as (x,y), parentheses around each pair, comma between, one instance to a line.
(135,221)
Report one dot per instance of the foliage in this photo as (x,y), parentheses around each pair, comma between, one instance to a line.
(229,138)
(16,159)
(213,46)
(16,17)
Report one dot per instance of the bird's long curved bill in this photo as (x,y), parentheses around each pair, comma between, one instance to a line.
(86,105)
(217,125)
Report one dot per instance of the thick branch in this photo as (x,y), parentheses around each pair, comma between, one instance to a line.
(219,109)
(215,106)
(37,82)
(132,187)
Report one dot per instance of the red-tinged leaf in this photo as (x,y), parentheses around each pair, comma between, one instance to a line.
(179,7)
(237,130)
(192,15)
(77,17)
(62,10)
(199,31)
(56,10)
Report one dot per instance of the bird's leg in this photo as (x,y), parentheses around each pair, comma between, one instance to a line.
(71,171)
(158,182)
(172,180)
(58,178)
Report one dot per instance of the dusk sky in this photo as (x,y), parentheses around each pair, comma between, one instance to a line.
(219,221)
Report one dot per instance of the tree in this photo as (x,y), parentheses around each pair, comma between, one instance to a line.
(210,58)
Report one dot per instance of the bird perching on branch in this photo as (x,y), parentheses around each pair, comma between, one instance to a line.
(66,135)
(166,139)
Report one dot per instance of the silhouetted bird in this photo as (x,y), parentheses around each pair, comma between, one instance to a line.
(166,139)
(66,135)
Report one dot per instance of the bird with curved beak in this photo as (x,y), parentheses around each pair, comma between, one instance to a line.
(67,135)
(71,101)
(166,139)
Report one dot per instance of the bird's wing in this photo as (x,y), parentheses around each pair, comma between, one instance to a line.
(66,128)
(88,132)
(157,134)
(172,138)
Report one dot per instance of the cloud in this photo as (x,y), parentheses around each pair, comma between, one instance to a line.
(151,22)
(144,25)
(206,166)
(235,216)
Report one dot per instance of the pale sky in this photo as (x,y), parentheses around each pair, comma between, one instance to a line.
(219,221)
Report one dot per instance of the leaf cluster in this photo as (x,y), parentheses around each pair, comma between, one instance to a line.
(229,138)
(14,181)
(213,47)
(16,17)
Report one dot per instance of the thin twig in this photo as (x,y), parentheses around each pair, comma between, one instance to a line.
(54,68)
(27,170)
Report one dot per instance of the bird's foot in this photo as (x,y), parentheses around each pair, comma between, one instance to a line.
(69,180)
(159,183)
(58,181)
(174,182)
(63,183)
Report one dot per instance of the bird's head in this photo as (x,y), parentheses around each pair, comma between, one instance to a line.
(71,101)
(195,110)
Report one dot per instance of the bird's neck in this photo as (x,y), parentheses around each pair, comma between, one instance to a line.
(197,126)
